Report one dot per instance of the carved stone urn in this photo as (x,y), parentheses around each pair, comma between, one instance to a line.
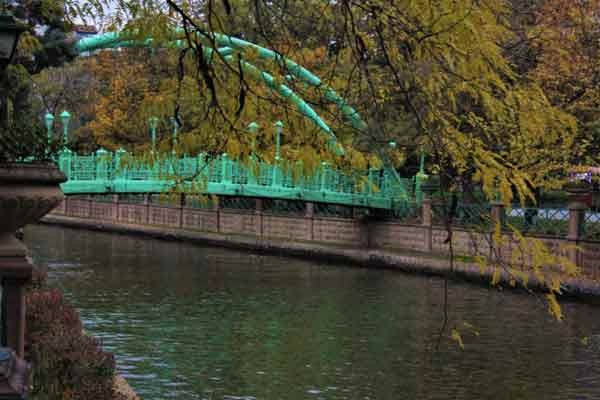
(27,193)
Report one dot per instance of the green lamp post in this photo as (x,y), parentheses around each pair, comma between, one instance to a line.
(278,130)
(392,144)
(65,117)
(175,129)
(153,122)
(419,178)
(49,118)
(253,129)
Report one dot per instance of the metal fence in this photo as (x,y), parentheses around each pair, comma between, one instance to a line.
(120,172)
(465,214)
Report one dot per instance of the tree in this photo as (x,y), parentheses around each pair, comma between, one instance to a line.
(44,44)
(414,72)
(567,38)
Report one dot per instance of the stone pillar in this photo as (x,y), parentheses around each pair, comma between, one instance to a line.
(217,210)
(576,225)
(363,226)
(181,206)
(147,208)
(15,273)
(427,222)
(27,192)
(498,216)
(90,200)
(13,300)
(310,217)
(115,207)
(259,216)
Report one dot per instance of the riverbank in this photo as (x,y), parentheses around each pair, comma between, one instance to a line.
(403,260)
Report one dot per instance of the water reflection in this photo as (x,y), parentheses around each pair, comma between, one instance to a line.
(193,323)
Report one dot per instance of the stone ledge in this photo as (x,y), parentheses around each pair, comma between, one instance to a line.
(409,262)
(122,387)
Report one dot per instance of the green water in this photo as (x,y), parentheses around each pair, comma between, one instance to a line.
(189,322)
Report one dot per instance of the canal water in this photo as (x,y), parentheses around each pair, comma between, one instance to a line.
(191,322)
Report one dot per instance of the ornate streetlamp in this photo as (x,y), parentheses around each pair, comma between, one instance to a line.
(253,129)
(49,118)
(65,117)
(278,130)
(27,192)
(10,31)
(175,129)
(153,122)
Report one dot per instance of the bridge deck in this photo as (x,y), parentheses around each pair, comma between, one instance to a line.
(108,173)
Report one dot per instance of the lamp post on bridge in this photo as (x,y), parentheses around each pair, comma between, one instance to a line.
(253,129)
(254,168)
(175,129)
(49,118)
(65,118)
(153,122)
(278,131)
(419,177)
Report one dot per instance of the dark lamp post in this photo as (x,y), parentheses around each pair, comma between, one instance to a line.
(10,30)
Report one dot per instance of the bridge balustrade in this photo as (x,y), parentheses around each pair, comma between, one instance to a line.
(119,172)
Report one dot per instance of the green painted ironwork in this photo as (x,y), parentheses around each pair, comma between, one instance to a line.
(49,119)
(222,175)
(65,118)
(105,172)
(153,122)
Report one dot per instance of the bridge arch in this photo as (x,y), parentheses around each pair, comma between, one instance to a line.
(228,46)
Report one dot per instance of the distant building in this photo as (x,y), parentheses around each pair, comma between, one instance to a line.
(84,31)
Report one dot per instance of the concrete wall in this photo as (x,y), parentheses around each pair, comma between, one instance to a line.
(351,232)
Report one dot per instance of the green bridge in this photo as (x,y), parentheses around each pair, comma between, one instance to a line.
(105,172)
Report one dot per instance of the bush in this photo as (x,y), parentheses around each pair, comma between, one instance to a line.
(25,140)
(67,364)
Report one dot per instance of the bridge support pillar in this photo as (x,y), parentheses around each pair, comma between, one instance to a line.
(363,223)
(427,222)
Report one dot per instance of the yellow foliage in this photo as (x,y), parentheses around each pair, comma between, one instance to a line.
(455,335)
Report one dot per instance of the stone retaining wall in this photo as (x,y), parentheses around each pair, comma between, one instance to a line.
(352,232)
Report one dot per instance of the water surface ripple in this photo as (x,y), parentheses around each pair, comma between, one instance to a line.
(189,322)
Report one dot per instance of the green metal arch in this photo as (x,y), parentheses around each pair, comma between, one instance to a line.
(229,46)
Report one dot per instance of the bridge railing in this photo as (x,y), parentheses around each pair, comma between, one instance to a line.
(105,172)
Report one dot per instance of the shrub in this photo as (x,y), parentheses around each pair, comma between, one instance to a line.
(67,364)
(24,139)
